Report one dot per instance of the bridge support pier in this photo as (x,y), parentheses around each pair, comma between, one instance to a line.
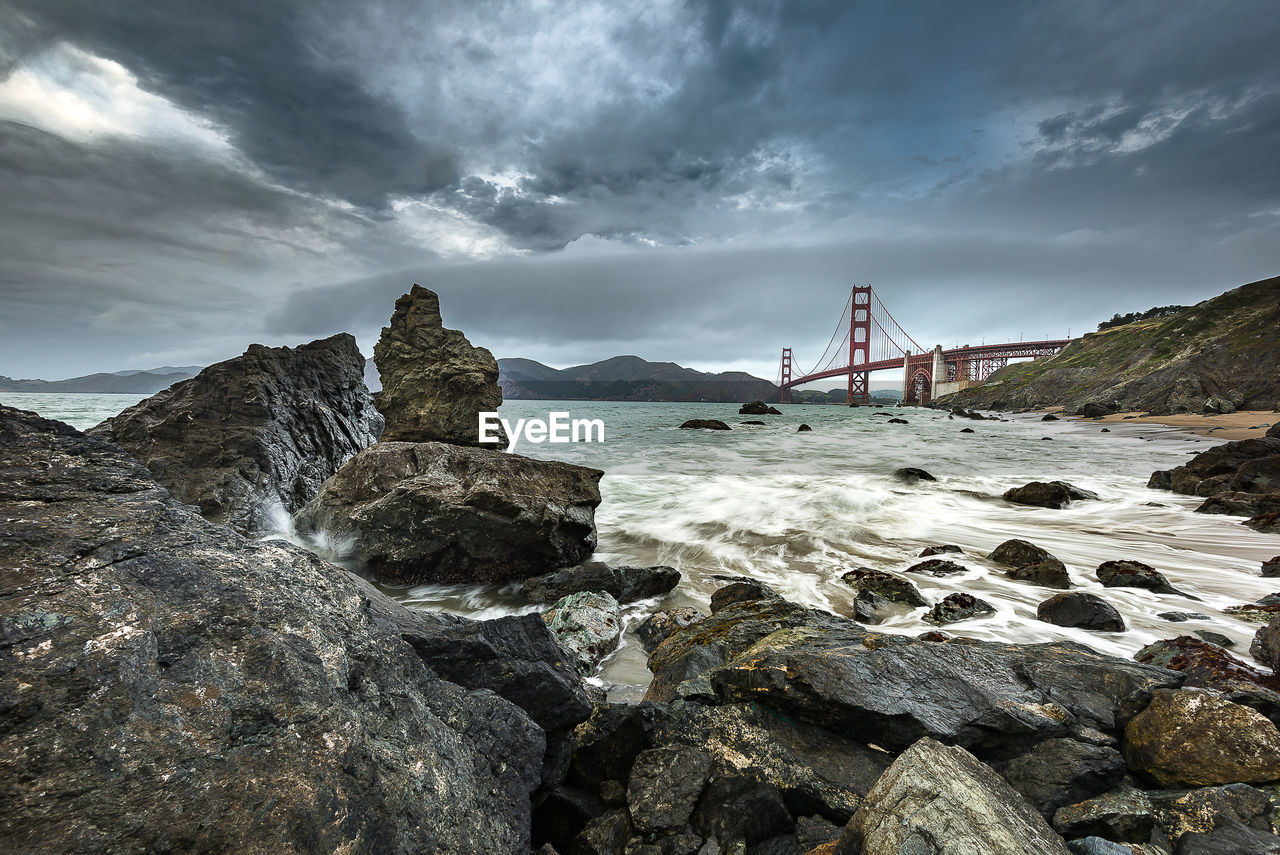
(939,372)
(859,345)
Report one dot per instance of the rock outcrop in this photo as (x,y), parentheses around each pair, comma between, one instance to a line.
(1240,477)
(434,382)
(254,433)
(416,512)
(1053,494)
(1082,610)
(169,685)
(624,584)
(940,800)
(1135,574)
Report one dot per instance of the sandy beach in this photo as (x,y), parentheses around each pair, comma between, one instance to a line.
(1245,424)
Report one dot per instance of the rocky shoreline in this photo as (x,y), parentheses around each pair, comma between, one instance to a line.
(171,684)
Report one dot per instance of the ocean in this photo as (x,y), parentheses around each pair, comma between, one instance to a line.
(797,510)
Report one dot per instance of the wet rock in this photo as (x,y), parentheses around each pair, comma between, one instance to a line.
(588,625)
(741,590)
(1019,553)
(1195,738)
(1135,574)
(756,408)
(736,809)
(1266,645)
(656,628)
(664,788)
(1182,617)
(751,423)
(871,608)
(939,550)
(1208,665)
(938,799)
(1202,810)
(705,424)
(605,746)
(1241,466)
(1214,637)
(434,382)
(605,835)
(1232,838)
(1096,409)
(624,584)
(983,695)
(1161,479)
(897,421)
(432,512)
(1266,523)
(803,428)
(1261,611)
(1053,494)
(934,635)
(239,695)
(1081,610)
(1050,573)
(1105,430)
(1060,772)
(893,588)
(967,430)
(1048,417)
(774,411)
(1271,567)
(938,567)
(911,475)
(254,435)
(1240,504)
(1122,816)
(957,607)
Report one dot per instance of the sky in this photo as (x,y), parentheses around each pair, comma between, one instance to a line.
(698,182)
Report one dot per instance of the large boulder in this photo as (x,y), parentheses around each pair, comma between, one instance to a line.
(1060,772)
(1250,466)
(624,584)
(433,512)
(940,800)
(434,382)
(170,685)
(1135,574)
(1207,665)
(893,588)
(250,440)
(1051,494)
(1266,645)
(1196,738)
(891,689)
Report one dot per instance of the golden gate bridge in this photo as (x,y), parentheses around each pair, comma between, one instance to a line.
(873,341)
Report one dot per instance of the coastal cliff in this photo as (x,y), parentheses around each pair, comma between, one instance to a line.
(1218,355)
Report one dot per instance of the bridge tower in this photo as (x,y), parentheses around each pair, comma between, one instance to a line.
(784,389)
(859,345)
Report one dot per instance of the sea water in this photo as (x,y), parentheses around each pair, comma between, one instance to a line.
(798,509)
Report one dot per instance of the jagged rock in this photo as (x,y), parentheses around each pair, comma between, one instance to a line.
(656,628)
(1271,567)
(705,424)
(1202,810)
(1050,573)
(814,831)
(254,433)
(434,382)
(982,695)
(1207,665)
(773,411)
(939,550)
(957,607)
(1101,846)
(1135,574)
(1266,645)
(419,512)
(870,607)
(756,408)
(1019,553)
(1060,772)
(1261,611)
(1231,838)
(911,475)
(604,835)
(664,787)
(624,584)
(561,815)
(803,429)
(238,695)
(1195,738)
(1240,504)
(1053,494)
(938,799)
(1240,466)
(1266,523)
(1123,816)
(892,588)
(1081,610)
(938,567)
(737,809)
(588,625)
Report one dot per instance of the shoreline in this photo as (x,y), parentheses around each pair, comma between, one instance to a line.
(1243,424)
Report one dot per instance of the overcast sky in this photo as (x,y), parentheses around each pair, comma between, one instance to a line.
(698,182)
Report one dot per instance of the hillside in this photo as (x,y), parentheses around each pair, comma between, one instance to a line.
(1227,346)
(120,382)
(627,378)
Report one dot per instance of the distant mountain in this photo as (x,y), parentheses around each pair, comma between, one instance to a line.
(628,378)
(1189,361)
(136,382)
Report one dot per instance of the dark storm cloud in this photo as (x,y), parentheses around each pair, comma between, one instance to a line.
(1043,157)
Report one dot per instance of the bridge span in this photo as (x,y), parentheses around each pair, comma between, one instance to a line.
(873,341)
